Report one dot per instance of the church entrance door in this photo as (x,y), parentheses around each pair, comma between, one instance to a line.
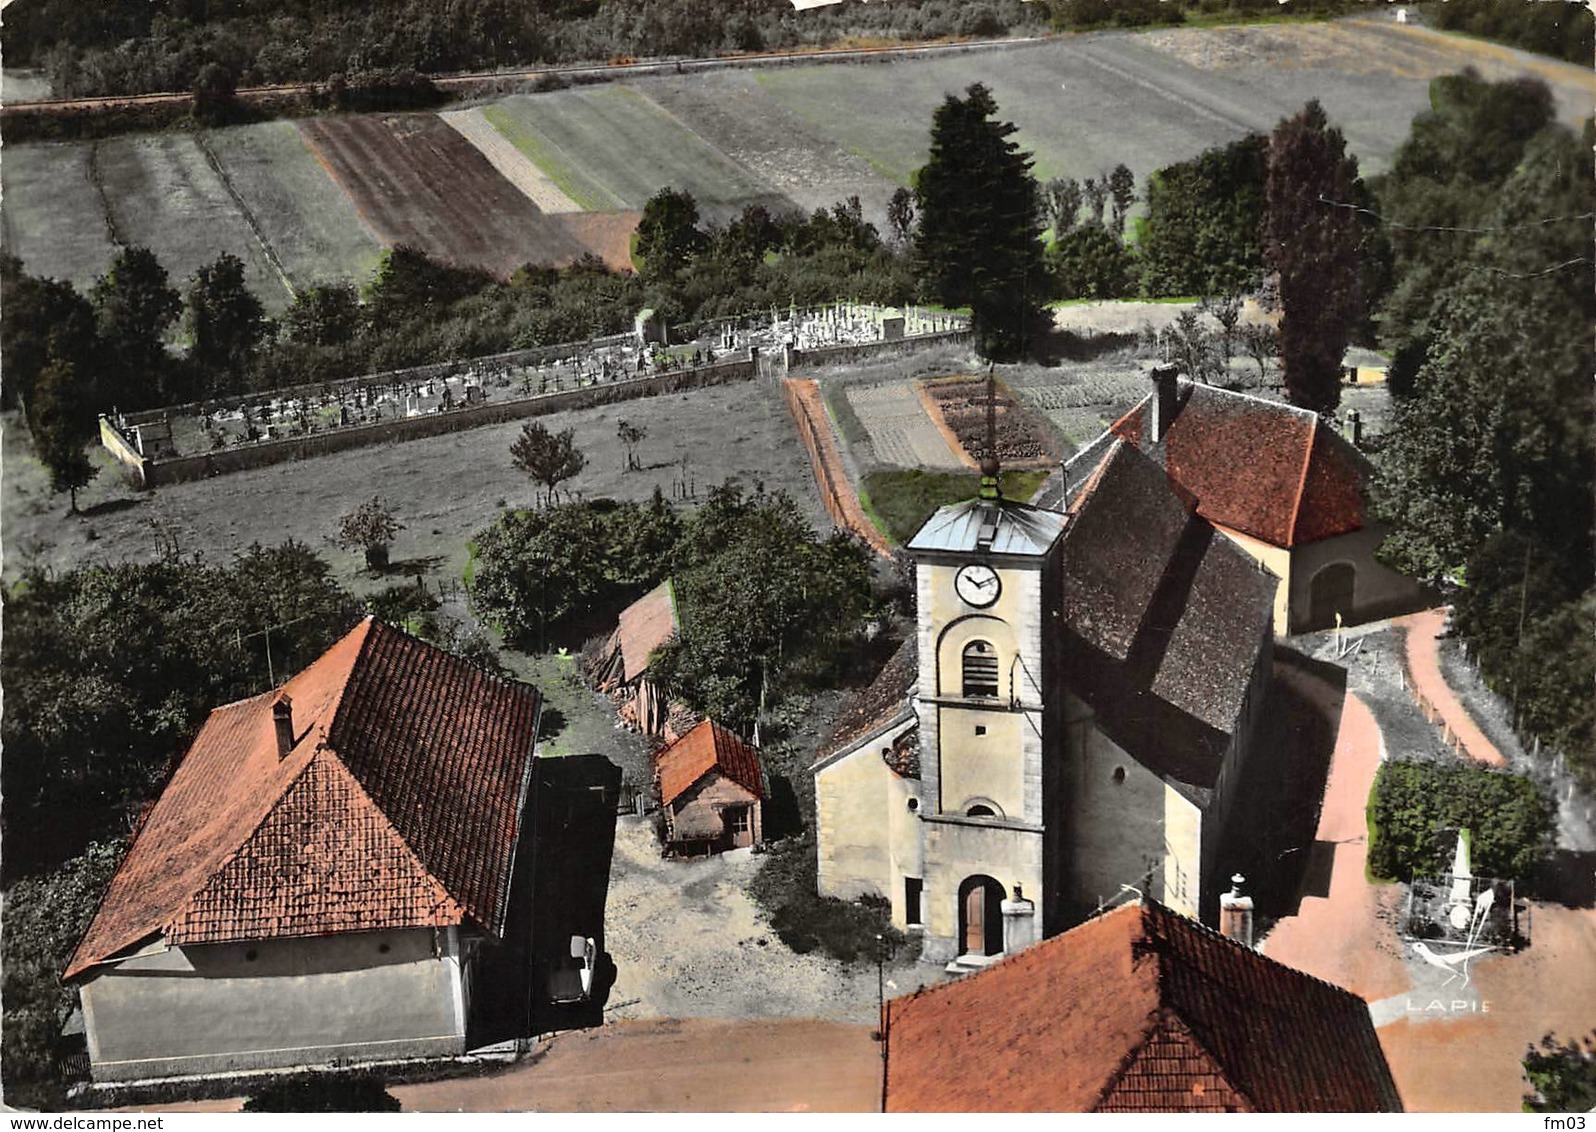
(981,916)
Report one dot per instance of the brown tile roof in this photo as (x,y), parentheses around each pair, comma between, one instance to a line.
(1138,1010)
(707,747)
(1262,468)
(398,806)
(879,705)
(1164,619)
(644,627)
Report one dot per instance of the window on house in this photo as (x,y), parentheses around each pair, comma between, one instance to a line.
(912,887)
(980,729)
(980,670)
(739,820)
(979,811)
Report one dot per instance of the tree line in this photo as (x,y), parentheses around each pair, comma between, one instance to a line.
(141,46)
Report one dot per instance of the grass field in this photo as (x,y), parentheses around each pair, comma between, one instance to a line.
(165,195)
(900,500)
(444,488)
(614,144)
(417,181)
(732,111)
(805,135)
(52,214)
(305,217)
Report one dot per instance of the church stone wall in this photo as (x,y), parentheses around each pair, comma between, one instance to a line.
(868,839)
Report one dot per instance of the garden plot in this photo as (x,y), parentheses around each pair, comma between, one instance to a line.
(163,193)
(900,431)
(53,216)
(613,142)
(298,209)
(960,404)
(418,182)
(733,112)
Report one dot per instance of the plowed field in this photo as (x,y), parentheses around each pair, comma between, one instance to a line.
(418,182)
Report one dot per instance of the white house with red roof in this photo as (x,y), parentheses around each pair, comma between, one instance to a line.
(1280,483)
(328,872)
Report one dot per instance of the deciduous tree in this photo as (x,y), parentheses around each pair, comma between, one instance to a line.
(668,236)
(370,528)
(1313,241)
(61,419)
(135,305)
(550,458)
(225,322)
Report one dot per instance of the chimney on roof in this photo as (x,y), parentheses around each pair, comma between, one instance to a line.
(1163,407)
(1235,913)
(283,721)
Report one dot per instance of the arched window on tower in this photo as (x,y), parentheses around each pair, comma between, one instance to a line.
(980,670)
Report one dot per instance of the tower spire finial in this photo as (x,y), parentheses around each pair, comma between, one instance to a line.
(990,487)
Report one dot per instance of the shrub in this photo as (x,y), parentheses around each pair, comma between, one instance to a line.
(806,921)
(1416,807)
(324,1092)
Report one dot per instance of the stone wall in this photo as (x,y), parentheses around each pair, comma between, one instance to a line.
(258,455)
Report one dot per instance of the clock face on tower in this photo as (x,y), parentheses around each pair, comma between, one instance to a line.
(977,584)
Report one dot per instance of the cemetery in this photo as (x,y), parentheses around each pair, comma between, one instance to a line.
(192,441)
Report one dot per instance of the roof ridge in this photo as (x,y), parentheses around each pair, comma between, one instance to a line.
(1203,928)
(1302,483)
(368,625)
(1154,1019)
(1286,405)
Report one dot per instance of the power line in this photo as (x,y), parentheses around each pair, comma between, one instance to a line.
(1470,231)
(1536,274)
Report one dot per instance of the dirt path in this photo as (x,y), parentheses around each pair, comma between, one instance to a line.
(836,489)
(1434,695)
(1339,936)
(688,941)
(685,1065)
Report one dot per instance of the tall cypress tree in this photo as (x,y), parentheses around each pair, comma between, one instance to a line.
(1312,238)
(979,240)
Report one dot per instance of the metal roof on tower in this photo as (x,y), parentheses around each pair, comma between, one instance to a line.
(990,526)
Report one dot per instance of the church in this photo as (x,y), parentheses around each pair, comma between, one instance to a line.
(1068,720)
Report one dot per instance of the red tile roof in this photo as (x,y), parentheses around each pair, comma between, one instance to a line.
(709,746)
(398,805)
(644,627)
(1140,1010)
(1265,469)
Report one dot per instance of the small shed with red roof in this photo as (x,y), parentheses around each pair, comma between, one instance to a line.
(1138,1010)
(711,791)
(330,875)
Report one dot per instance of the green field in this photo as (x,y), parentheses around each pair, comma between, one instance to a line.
(900,500)
(53,217)
(166,196)
(612,147)
(305,217)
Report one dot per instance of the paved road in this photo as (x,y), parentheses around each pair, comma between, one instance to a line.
(1338,936)
(1424,676)
(679,1065)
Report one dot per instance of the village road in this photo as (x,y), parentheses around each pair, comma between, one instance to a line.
(1338,935)
(679,1065)
(1424,672)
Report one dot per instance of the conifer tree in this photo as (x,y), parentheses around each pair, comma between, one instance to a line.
(979,241)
